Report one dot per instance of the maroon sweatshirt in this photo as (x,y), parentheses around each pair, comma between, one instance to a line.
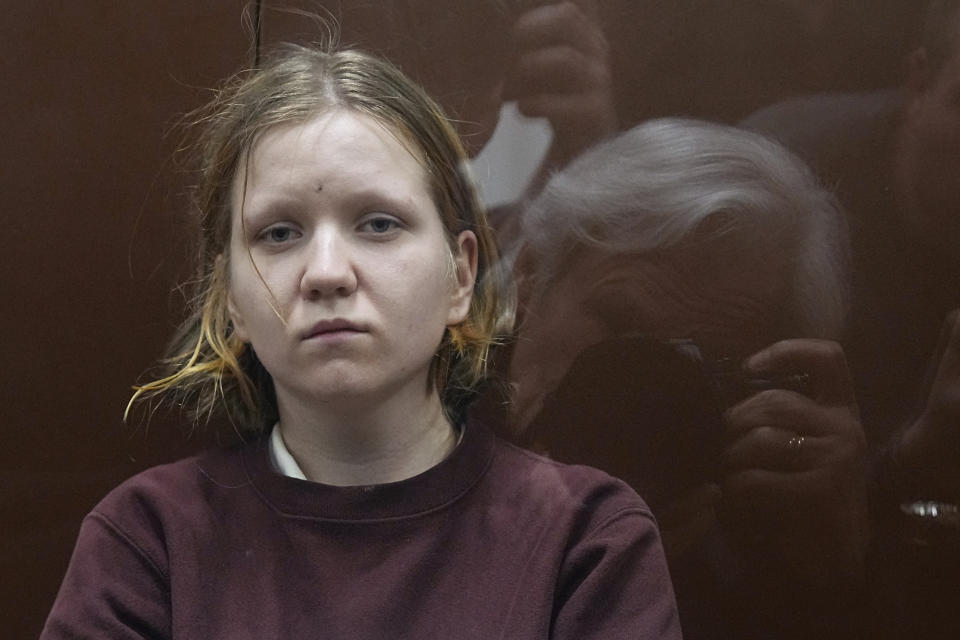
(494,542)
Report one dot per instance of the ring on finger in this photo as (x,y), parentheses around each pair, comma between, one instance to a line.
(795,447)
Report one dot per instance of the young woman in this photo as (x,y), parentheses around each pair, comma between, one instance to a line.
(350,294)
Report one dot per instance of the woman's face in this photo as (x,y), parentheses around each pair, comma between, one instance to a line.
(340,273)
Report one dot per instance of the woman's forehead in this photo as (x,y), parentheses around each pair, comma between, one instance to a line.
(365,132)
(333,144)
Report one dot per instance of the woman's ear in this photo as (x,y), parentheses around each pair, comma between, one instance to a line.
(239,329)
(236,320)
(465,275)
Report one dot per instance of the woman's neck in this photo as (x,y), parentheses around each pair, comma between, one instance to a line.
(361,444)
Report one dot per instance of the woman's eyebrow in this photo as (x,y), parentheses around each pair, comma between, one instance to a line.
(375,196)
(268,207)
(364,200)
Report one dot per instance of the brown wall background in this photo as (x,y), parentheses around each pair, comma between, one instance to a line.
(92,243)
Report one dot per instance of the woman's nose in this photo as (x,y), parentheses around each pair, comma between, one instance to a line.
(328,269)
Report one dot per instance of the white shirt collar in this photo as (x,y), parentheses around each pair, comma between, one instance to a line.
(284,463)
(280,456)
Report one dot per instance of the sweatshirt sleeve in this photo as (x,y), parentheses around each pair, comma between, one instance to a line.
(113,588)
(615,584)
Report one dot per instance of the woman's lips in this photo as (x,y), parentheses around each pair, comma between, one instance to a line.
(333,329)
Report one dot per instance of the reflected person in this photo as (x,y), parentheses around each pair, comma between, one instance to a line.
(681,287)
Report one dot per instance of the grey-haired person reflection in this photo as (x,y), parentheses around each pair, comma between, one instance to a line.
(682,287)
(348,296)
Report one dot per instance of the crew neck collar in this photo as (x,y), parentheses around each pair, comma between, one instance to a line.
(427,491)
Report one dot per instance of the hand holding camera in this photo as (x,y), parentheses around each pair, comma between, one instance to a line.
(793,467)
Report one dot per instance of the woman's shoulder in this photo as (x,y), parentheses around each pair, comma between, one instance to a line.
(177,488)
(560,487)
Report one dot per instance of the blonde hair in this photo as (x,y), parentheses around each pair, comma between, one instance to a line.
(207,367)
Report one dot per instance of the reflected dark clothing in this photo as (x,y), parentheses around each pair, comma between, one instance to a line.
(664,416)
(494,542)
(650,398)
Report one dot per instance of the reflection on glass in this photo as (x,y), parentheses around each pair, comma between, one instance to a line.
(744,435)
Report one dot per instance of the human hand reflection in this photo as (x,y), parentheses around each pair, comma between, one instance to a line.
(930,446)
(562,72)
(793,477)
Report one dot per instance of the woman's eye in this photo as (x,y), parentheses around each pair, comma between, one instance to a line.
(278,234)
(380,225)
